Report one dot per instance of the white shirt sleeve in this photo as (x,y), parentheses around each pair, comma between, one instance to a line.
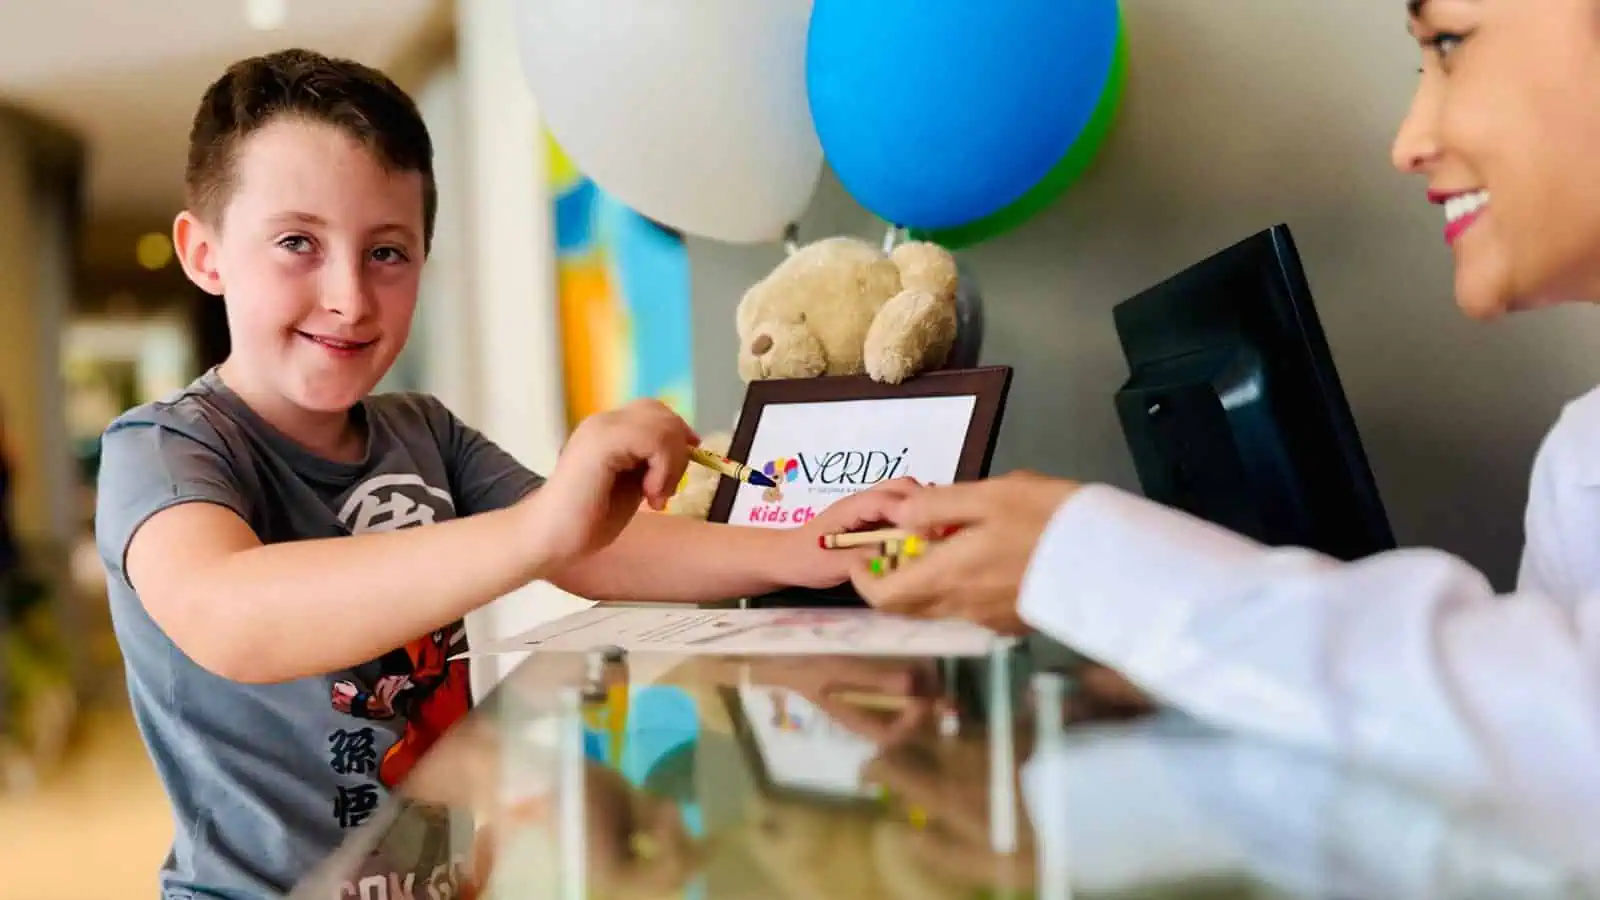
(1141,805)
(1407,660)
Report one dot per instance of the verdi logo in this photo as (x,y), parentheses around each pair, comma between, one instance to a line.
(782,469)
(838,470)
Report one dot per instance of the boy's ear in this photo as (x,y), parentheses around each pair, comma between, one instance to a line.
(197,251)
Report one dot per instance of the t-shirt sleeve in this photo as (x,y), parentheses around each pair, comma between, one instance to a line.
(483,477)
(147,466)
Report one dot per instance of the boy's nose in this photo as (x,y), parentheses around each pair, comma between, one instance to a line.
(346,296)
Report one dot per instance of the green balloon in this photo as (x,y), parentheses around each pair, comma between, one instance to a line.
(1073,164)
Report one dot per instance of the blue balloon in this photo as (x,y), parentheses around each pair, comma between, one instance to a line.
(935,113)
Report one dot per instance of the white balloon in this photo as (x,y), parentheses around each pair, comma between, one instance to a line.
(691,112)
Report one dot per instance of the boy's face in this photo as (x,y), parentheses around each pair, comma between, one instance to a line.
(318,251)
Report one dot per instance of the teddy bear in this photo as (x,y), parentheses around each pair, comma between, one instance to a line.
(839,306)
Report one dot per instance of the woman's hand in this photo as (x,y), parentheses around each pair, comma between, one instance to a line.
(974,573)
(815,567)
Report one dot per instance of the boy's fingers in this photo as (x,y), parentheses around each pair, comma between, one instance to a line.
(655,475)
(673,423)
(665,471)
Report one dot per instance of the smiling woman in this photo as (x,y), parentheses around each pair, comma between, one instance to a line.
(1407,660)
(1504,129)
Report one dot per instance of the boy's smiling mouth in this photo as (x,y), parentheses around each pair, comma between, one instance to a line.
(339,346)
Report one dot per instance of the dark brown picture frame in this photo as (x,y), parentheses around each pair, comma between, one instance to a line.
(988,384)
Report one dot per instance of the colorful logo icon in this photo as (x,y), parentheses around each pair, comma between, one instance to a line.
(781,470)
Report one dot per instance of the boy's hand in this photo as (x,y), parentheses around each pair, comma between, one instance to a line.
(818,568)
(614,461)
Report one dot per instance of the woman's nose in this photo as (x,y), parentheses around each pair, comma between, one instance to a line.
(1416,144)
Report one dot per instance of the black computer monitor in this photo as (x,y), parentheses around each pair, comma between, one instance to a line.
(1233,411)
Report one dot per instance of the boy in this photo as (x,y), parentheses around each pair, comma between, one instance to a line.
(287,629)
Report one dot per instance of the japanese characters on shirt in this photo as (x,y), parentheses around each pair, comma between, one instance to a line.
(417,687)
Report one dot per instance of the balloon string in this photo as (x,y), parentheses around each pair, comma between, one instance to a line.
(892,237)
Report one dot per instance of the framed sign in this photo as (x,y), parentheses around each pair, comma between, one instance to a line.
(822,439)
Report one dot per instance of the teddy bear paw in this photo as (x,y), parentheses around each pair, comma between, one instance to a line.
(912,334)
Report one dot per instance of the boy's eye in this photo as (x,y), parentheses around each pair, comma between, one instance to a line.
(389,255)
(295,243)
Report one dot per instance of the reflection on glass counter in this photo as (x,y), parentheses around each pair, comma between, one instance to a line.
(605,775)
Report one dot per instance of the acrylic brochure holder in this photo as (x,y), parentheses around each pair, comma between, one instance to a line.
(823,439)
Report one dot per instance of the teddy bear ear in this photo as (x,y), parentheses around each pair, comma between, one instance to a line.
(928,267)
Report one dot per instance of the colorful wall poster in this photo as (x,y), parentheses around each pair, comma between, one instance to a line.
(623,289)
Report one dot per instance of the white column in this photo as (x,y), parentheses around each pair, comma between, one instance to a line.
(443,334)
(510,257)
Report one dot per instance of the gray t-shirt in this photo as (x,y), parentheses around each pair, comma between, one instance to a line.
(267,780)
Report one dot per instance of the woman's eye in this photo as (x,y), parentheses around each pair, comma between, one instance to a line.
(295,243)
(1444,44)
(389,255)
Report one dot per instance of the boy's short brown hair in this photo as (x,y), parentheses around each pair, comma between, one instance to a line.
(358,100)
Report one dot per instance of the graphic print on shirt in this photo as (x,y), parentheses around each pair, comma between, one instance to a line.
(419,684)
(416,684)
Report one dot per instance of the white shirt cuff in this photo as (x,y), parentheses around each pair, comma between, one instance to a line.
(1115,576)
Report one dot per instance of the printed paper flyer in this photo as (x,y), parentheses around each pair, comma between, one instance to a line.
(820,452)
(773,632)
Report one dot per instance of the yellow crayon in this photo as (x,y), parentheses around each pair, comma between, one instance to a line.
(861,538)
(723,465)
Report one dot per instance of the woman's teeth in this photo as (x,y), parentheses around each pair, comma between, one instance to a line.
(1463,205)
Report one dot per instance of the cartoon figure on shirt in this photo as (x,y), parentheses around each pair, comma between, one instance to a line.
(416,683)
(420,684)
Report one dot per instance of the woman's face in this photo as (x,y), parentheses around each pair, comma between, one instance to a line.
(1505,127)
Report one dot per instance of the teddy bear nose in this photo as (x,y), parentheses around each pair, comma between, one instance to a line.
(761,344)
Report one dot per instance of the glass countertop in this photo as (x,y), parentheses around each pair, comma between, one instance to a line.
(610,775)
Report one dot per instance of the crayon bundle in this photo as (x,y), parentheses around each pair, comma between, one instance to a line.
(895,547)
(897,552)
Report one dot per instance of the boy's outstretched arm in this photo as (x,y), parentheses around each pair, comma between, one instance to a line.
(275,612)
(673,559)
(268,613)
